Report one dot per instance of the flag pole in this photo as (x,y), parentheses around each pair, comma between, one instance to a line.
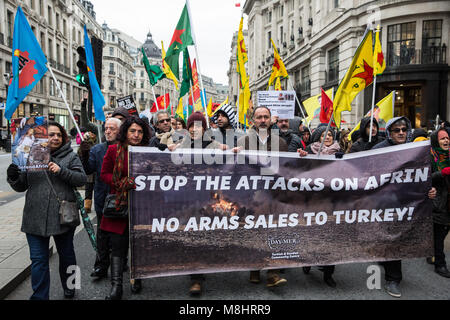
(371,110)
(296,98)
(156,101)
(65,101)
(198,64)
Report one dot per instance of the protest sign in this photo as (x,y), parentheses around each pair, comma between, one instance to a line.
(128,103)
(30,151)
(280,103)
(188,216)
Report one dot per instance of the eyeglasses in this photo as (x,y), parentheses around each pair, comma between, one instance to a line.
(397,130)
(163,120)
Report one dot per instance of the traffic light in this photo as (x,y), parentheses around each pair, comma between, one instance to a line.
(82,76)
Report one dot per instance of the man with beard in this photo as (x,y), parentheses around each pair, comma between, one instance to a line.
(363,144)
(225,118)
(260,137)
(292,140)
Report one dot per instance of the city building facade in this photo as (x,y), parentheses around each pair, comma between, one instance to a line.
(117,68)
(58,27)
(317,41)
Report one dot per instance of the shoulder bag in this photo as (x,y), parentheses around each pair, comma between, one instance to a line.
(109,210)
(68,211)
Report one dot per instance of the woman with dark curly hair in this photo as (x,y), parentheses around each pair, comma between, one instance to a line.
(134,132)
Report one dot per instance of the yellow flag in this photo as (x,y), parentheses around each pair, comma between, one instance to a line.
(312,105)
(278,84)
(166,69)
(278,68)
(209,108)
(180,109)
(358,76)
(379,63)
(383,112)
(244,88)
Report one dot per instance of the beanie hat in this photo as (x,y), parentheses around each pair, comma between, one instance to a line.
(196,116)
(122,112)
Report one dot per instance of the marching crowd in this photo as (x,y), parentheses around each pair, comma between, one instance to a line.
(107,166)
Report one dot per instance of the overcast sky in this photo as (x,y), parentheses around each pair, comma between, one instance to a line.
(214,23)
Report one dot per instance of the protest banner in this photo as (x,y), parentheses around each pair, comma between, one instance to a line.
(254,211)
(280,103)
(30,151)
(128,103)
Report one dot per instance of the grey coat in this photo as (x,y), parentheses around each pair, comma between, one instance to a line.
(41,211)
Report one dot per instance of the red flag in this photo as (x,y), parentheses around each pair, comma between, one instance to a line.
(237,5)
(163,103)
(326,109)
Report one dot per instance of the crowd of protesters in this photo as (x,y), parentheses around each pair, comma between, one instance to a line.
(107,165)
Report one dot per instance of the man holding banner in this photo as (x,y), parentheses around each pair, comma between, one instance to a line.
(398,131)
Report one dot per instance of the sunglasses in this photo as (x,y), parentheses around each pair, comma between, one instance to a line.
(164,120)
(397,130)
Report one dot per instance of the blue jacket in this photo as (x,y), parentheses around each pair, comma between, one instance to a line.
(94,165)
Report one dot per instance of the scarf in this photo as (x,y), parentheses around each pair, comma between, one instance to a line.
(441,159)
(325,150)
(121,183)
(166,138)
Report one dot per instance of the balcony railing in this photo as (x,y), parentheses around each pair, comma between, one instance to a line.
(52,63)
(112,72)
(112,88)
(434,55)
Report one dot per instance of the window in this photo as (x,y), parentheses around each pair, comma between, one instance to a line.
(401,44)
(111,68)
(41,7)
(65,57)
(333,64)
(142,85)
(57,54)
(8,67)
(49,15)
(64,28)
(111,84)
(269,42)
(305,86)
(50,48)
(111,51)
(281,36)
(57,21)
(52,87)
(42,41)
(142,73)
(142,96)
(9,31)
(432,51)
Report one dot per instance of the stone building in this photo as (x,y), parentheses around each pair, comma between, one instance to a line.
(58,27)
(118,68)
(317,41)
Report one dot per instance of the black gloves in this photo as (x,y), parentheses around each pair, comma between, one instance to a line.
(13,172)
(162,146)
(339,155)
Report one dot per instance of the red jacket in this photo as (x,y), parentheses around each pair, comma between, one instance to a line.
(113,225)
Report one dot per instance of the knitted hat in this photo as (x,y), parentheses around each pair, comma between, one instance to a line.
(229,112)
(196,116)
(122,112)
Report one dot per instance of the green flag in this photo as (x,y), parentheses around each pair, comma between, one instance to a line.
(154,72)
(180,40)
(187,74)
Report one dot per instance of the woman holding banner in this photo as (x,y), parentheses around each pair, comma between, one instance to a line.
(196,138)
(440,163)
(134,132)
(329,147)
